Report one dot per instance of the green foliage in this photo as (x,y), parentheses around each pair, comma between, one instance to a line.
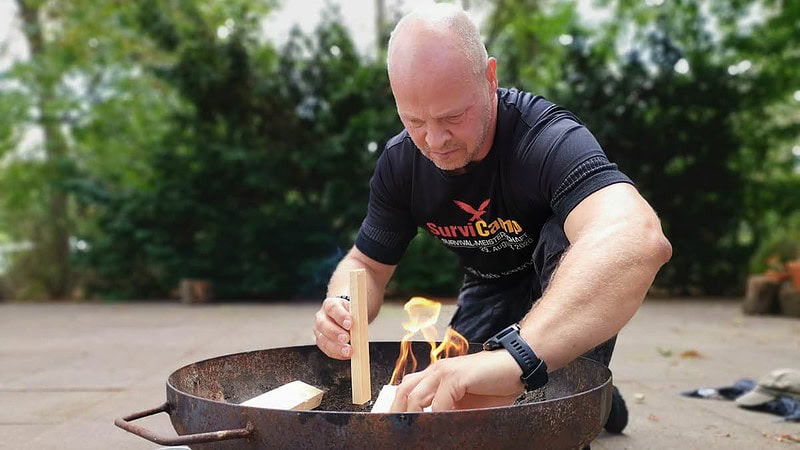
(523,35)
(672,135)
(428,268)
(780,246)
(96,113)
(178,144)
(263,180)
(704,146)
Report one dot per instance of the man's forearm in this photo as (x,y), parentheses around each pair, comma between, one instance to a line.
(598,286)
(377,277)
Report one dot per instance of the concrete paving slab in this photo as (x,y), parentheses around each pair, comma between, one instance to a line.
(68,370)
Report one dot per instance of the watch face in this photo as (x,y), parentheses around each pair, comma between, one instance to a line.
(491,344)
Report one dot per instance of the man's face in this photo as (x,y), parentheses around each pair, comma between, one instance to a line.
(448,117)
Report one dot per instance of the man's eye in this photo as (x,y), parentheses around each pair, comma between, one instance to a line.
(416,123)
(455,118)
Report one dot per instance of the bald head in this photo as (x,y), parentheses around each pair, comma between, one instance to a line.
(438,33)
(444,85)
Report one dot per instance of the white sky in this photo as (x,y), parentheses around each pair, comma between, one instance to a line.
(358,16)
(11,44)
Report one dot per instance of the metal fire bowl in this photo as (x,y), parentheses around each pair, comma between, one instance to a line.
(202,402)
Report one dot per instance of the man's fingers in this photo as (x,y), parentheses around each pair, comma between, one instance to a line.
(332,349)
(400,403)
(447,396)
(331,329)
(423,393)
(330,337)
(339,310)
(416,391)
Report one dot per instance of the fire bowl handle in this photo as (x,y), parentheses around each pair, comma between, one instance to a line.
(186,439)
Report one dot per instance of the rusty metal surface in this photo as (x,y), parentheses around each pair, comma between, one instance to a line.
(188,439)
(204,396)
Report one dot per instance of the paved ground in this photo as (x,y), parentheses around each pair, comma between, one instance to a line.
(67,371)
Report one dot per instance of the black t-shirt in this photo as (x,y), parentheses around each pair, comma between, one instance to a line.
(543,161)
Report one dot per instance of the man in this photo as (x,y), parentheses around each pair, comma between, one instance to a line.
(515,186)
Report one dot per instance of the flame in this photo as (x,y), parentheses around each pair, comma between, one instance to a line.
(422,317)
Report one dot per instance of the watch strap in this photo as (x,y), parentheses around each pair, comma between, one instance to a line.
(534,370)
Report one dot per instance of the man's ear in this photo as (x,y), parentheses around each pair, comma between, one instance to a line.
(491,73)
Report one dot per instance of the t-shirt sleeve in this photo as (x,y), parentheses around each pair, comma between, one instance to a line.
(388,227)
(572,166)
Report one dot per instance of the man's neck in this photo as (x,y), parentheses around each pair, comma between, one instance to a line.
(489,141)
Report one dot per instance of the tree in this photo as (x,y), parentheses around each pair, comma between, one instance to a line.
(262,182)
(668,98)
(79,89)
(524,37)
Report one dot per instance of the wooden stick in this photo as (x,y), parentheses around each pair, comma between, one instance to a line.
(359,340)
(295,395)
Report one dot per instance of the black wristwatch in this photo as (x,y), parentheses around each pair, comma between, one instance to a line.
(534,370)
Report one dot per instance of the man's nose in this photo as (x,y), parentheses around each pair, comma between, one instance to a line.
(436,137)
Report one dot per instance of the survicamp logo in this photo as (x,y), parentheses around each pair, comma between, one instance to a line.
(475,226)
(476,214)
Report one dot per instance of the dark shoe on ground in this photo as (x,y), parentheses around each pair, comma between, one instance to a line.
(618,418)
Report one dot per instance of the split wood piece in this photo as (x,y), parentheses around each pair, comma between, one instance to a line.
(385,399)
(295,395)
(359,339)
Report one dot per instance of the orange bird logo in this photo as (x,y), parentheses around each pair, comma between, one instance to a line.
(476,214)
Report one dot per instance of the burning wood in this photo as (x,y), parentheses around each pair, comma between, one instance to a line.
(423,315)
(295,395)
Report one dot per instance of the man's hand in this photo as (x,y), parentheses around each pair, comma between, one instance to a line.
(479,380)
(332,328)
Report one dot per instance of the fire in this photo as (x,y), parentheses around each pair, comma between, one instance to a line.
(422,317)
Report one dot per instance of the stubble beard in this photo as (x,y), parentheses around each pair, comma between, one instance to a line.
(471,152)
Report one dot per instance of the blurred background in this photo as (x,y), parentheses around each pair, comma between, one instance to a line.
(230,142)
